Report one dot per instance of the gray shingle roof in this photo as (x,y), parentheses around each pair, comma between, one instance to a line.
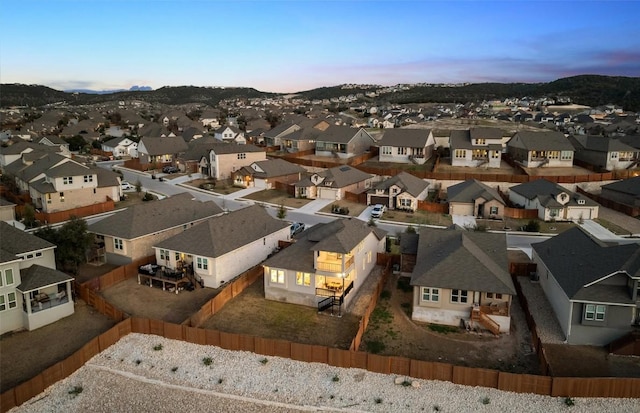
(278,130)
(163,146)
(224,148)
(275,167)
(222,234)
(460,139)
(150,217)
(39,166)
(407,182)
(69,168)
(341,176)
(602,144)
(546,192)
(338,134)
(37,276)
(576,259)
(541,141)
(486,133)
(409,138)
(470,190)
(629,186)
(340,236)
(14,241)
(462,260)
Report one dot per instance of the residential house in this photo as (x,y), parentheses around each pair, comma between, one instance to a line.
(541,149)
(131,234)
(197,149)
(475,198)
(32,292)
(593,287)
(441,138)
(273,137)
(300,140)
(333,183)
(462,276)
(263,174)
(406,145)
(402,191)
(477,147)
(225,158)
(56,141)
(13,152)
(326,265)
(120,147)
(605,153)
(56,183)
(7,210)
(553,202)
(230,134)
(625,192)
(160,150)
(223,247)
(343,142)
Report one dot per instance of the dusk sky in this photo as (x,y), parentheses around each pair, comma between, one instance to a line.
(292,46)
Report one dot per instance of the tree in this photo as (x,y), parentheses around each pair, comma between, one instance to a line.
(29,216)
(282,212)
(138,186)
(76,142)
(272,118)
(73,242)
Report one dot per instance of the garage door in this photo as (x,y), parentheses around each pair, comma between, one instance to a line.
(379,200)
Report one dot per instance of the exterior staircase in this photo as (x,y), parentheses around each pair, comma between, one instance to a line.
(480,317)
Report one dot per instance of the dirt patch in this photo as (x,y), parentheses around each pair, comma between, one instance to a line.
(222,187)
(418,218)
(271,196)
(354,208)
(392,332)
(557,171)
(588,361)
(151,302)
(88,272)
(250,313)
(505,169)
(513,224)
(27,353)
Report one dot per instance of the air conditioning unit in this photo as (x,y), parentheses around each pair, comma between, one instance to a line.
(533,276)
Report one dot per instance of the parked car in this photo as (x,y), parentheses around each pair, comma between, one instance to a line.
(296,228)
(170,169)
(378,210)
(126,186)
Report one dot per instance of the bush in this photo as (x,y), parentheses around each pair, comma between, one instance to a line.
(532,226)
(404,284)
(147,197)
(375,347)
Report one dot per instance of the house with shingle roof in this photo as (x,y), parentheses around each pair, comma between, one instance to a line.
(325,266)
(333,183)
(402,191)
(477,147)
(120,147)
(160,150)
(604,152)
(625,192)
(223,247)
(343,142)
(13,152)
(462,275)
(230,134)
(131,234)
(273,137)
(264,174)
(540,149)
(475,198)
(592,286)
(406,145)
(32,292)
(553,202)
(223,159)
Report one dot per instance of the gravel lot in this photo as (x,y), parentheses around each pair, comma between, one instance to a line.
(151,373)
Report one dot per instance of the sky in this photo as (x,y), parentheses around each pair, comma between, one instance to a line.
(297,45)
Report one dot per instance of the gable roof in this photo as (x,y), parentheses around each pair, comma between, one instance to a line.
(486,133)
(629,186)
(462,260)
(224,148)
(14,241)
(339,236)
(112,143)
(470,190)
(162,145)
(225,233)
(275,167)
(280,129)
(601,144)
(341,176)
(37,276)
(43,163)
(546,192)
(410,138)
(339,134)
(575,259)
(540,141)
(156,216)
(407,182)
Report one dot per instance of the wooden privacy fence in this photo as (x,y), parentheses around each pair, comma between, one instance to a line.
(85,211)
(519,213)
(441,208)
(426,370)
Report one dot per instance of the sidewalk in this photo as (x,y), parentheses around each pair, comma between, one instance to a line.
(598,231)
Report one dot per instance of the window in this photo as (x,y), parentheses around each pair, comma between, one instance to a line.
(498,296)
(404,202)
(489,295)
(459,296)
(493,210)
(369,256)
(3,304)
(495,154)
(8,277)
(402,151)
(38,254)
(48,198)
(594,312)
(61,196)
(88,178)
(553,155)
(566,155)
(481,141)
(242,156)
(303,278)
(67,180)
(11,300)
(177,256)
(277,276)
(460,153)
(117,244)
(430,294)
(202,263)
(164,255)
(386,150)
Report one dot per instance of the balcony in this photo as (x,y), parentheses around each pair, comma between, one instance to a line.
(334,266)
(46,301)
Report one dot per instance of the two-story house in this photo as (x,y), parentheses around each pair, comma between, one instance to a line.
(160,150)
(333,183)
(406,145)
(553,202)
(230,134)
(593,287)
(326,265)
(477,147)
(605,153)
(32,292)
(225,158)
(223,247)
(13,152)
(120,147)
(541,149)
(402,191)
(343,142)
(264,174)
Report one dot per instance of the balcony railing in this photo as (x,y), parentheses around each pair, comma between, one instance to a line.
(46,302)
(334,266)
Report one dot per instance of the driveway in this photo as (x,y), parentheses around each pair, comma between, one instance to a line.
(598,231)
(631,224)
(464,221)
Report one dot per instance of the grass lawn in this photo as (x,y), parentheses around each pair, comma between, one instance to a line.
(219,187)
(418,217)
(513,224)
(271,196)
(616,229)
(132,198)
